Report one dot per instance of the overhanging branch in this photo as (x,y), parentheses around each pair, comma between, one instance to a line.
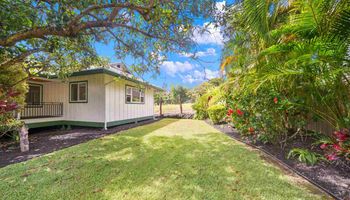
(20,57)
(75,26)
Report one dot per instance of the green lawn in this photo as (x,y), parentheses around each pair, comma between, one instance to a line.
(169,159)
(174,108)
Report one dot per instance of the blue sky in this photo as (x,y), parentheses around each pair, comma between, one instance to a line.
(180,69)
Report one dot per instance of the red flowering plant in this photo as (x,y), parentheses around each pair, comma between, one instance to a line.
(267,115)
(8,106)
(337,146)
(7,100)
(239,114)
(229,112)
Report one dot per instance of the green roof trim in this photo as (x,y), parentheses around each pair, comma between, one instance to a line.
(86,123)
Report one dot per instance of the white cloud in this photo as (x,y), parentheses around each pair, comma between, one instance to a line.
(208,52)
(210,35)
(220,7)
(199,76)
(171,67)
(210,74)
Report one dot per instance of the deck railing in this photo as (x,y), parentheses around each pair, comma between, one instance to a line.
(42,110)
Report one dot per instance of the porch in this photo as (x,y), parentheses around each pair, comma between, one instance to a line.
(45,101)
(42,110)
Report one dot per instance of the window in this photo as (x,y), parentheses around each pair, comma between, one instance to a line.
(78,92)
(134,95)
(34,95)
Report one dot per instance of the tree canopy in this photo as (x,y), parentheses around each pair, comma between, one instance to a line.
(59,36)
(179,94)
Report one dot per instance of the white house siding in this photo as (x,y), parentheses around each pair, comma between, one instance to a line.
(106,100)
(58,91)
(116,107)
(93,110)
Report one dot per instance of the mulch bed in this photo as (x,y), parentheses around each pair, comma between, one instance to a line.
(44,141)
(332,177)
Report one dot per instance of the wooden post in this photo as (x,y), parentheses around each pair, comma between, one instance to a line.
(23,139)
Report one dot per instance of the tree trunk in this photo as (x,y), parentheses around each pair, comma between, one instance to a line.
(23,139)
(180,107)
(160,106)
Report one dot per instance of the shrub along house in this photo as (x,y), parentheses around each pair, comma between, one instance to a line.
(99,97)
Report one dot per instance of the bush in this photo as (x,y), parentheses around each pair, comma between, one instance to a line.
(217,113)
(201,106)
(267,115)
(10,127)
(217,96)
(213,96)
(12,95)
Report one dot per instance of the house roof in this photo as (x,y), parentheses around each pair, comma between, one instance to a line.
(112,73)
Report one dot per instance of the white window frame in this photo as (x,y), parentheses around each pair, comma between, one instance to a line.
(141,93)
(78,83)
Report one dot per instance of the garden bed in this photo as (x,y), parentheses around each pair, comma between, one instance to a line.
(335,179)
(44,141)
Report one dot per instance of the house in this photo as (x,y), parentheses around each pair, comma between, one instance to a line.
(98,97)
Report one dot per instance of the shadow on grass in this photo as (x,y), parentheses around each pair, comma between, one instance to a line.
(151,162)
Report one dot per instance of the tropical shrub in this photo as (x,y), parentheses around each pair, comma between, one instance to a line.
(212,96)
(200,106)
(8,105)
(12,85)
(266,116)
(203,88)
(217,113)
(287,62)
(217,96)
